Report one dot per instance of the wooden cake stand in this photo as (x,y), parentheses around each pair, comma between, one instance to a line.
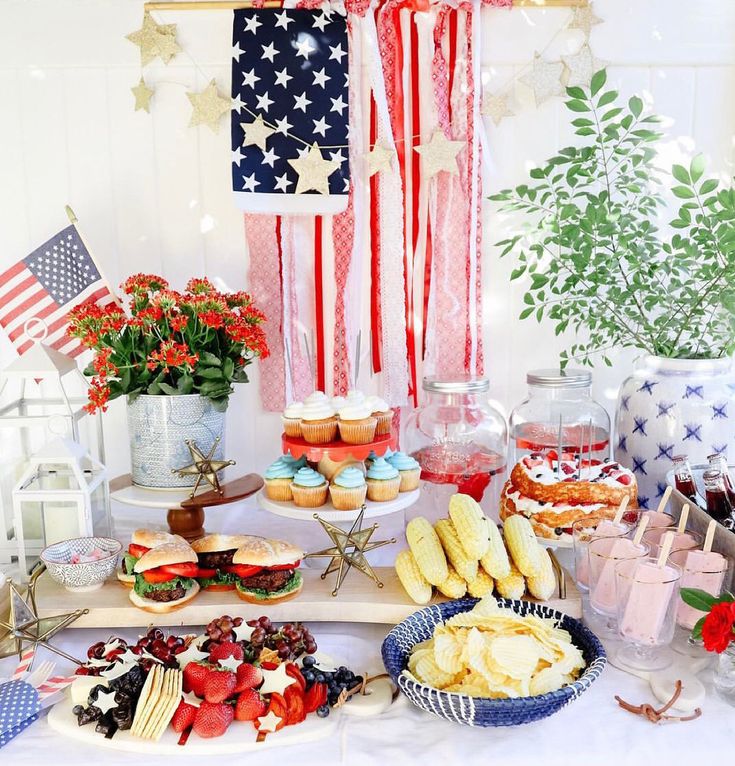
(185,514)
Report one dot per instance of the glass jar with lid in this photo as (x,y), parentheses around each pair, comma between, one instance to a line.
(560,413)
(460,440)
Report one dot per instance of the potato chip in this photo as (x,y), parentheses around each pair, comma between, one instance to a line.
(448,651)
(546,680)
(432,674)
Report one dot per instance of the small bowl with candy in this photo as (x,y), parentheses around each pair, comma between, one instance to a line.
(82,563)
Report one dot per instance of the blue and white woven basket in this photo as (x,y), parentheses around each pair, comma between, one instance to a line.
(483,711)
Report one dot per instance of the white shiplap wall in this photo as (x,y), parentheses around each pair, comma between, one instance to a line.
(153,194)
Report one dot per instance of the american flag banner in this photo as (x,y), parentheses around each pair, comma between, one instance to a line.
(45,286)
(290,88)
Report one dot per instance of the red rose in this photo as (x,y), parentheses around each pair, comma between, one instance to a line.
(717,628)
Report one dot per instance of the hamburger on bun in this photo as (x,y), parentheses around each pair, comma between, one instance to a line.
(267,570)
(141,542)
(164,578)
(215,553)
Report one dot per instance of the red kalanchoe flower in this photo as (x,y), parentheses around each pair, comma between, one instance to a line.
(212,319)
(251,336)
(172,354)
(200,286)
(99,395)
(151,314)
(103,366)
(239,299)
(143,283)
(178,323)
(717,630)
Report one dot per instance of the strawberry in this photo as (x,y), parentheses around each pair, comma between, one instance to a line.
(315,697)
(295,709)
(249,706)
(194,675)
(248,677)
(227,649)
(623,478)
(212,719)
(293,670)
(277,706)
(183,717)
(219,685)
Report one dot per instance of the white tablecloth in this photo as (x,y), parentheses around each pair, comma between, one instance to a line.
(592,731)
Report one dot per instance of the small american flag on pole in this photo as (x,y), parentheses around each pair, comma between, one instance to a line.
(45,286)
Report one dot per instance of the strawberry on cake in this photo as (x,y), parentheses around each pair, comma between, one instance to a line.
(554,494)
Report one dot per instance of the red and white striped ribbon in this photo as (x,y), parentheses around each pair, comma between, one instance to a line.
(53,685)
(26,660)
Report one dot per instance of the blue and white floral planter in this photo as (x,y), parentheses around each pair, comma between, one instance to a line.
(671,407)
(158,427)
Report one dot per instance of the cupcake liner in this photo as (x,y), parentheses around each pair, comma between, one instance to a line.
(278,489)
(357,431)
(319,431)
(291,426)
(347,498)
(309,497)
(380,490)
(384,422)
(409,479)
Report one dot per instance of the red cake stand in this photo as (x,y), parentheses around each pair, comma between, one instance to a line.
(337,450)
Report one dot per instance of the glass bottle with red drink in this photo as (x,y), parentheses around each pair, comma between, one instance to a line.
(684,481)
(718,461)
(719,506)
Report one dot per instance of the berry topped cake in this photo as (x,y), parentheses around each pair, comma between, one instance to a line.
(554,493)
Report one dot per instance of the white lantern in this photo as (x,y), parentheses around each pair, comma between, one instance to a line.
(60,495)
(42,395)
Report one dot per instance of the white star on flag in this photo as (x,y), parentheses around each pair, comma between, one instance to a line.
(282,183)
(321,21)
(320,78)
(237,156)
(337,53)
(264,102)
(338,105)
(337,156)
(283,126)
(283,77)
(301,102)
(252,24)
(237,51)
(250,78)
(303,48)
(283,20)
(321,126)
(269,52)
(269,157)
(237,104)
(249,182)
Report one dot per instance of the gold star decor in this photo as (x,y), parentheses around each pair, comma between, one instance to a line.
(203,466)
(155,40)
(256,132)
(584,19)
(439,154)
(142,95)
(313,171)
(25,627)
(496,107)
(208,107)
(545,79)
(582,66)
(349,550)
(379,158)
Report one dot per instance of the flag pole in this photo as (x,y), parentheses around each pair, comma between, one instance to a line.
(71,215)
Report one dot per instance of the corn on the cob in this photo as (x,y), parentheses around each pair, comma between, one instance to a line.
(467,517)
(481,585)
(495,561)
(466,567)
(454,586)
(543,585)
(512,586)
(523,545)
(427,550)
(414,583)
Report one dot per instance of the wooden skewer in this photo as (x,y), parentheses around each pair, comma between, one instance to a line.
(664,500)
(640,530)
(665,549)
(621,511)
(683,518)
(710,536)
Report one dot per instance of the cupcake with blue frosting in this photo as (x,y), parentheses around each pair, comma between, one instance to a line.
(277,478)
(383,481)
(372,457)
(309,488)
(348,489)
(408,469)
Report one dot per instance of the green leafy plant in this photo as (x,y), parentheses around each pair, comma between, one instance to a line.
(592,250)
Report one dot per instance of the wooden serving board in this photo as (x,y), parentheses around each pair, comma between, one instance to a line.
(359,600)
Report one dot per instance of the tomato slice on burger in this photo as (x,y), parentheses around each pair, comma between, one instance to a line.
(157,575)
(137,550)
(206,572)
(185,569)
(242,570)
(280,567)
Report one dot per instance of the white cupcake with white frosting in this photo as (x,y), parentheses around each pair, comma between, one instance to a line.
(356,423)
(318,420)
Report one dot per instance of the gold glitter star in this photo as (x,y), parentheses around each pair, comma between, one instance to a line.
(439,154)
(208,107)
(379,158)
(545,79)
(155,40)
(582,66)
(496,107)
(256,132)
(313,171)
(203,466)
(142,95)
(584,19)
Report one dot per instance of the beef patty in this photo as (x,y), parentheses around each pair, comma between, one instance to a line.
(171,594)
(266,580)
(216,559)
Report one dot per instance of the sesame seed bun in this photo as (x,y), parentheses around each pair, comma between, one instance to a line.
(263,552)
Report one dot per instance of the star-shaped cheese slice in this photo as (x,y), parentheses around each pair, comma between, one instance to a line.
(243,632)
(256,132)
(190,654)
(276,680)
(128,656)
(191,699)
(313,171)
(118,669)
(230,663)
(439,154)
(199,640)
(269,722)
(94,662)
(105,701)
(110,646)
